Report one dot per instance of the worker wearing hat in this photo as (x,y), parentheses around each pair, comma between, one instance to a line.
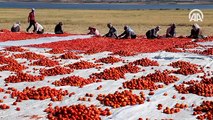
(31,20)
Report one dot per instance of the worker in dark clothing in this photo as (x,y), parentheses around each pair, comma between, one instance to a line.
(196,32)
(16,27)
(153,33)
(58,28)
(128,33)
(31,20)
(112,31)
(171,32)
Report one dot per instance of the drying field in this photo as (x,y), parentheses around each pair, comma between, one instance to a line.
(82,77)
(78,21)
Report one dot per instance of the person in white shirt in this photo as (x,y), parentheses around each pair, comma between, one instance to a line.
(128,33)
(39,28)
(93,31)
(16,27)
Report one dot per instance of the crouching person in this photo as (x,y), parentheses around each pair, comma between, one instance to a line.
(39,28)
(153,33)
(112,31)
(196,32)
(128,33)
(16,27)
(93,31)
(58,28)
(171,32)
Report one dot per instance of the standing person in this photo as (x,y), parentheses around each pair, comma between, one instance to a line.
(58,28)
(128,33)
(171,32)
(93,31)
(153,33)
(16,27)
(31,20)
(196,32)
(39,28)
(112,31)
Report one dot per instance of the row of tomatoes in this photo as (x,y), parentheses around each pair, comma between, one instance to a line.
(6,35)
(121,47)
(189,48)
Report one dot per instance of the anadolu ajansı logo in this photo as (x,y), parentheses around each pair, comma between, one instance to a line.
(196,15)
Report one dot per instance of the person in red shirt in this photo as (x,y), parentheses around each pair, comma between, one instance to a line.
(31,20)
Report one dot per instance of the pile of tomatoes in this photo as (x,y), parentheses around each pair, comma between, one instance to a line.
(23,77)
(76,112)
(202,88)
(39,94)
(204,111)
(69,55)
(109,59)
(74,81)
(55,71)
(45,62)
(29,56)
(56,51)
(15,49)
(159,76)
(82,65)
(186,68)
(120,99)
(145,62)
(140,84)
(116,73)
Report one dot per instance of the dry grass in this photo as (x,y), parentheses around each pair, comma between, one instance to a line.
(77,21)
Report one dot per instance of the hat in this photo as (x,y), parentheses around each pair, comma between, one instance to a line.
(33,9)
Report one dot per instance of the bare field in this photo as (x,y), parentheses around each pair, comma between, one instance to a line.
(77,21)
